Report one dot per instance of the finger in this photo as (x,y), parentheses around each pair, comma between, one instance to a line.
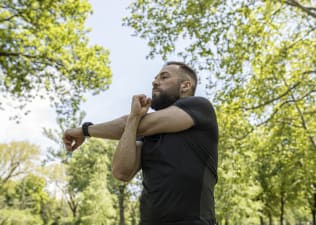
(136,99)
(140,97)
(68,147)
(143,100)
(68,143)
(67,140)
(76,145)
(148,101)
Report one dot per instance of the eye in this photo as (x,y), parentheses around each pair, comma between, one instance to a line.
(164,76)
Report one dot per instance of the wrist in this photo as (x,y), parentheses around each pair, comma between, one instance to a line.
(85,129)
(134,118)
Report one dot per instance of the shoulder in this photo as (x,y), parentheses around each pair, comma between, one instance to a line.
(199,108)
(194,101)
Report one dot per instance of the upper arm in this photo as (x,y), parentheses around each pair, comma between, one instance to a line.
(168,120)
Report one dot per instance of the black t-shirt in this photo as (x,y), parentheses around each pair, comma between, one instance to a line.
(180,170)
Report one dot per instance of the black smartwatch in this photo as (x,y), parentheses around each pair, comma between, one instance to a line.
(85,128)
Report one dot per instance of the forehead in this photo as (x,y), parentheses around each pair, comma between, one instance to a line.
(173,70)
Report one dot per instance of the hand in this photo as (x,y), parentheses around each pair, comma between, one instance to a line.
(73,138)
(140,105)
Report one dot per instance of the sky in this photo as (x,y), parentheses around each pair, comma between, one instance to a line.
(132,74)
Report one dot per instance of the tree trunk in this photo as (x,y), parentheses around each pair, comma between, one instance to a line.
(121,198)
(314,210)
(226,220)
(261,221)
(282,208)
(73,205)
(133,214)
(270,219)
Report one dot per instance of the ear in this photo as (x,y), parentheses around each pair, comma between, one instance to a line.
(186,86)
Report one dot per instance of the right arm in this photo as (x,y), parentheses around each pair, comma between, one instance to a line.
(113,129)
(171,119)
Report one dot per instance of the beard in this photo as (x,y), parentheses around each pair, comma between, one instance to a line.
(164,99)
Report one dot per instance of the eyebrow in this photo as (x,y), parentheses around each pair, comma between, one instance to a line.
(161,73)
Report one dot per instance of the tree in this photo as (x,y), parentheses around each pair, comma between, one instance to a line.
(236,192)
(262,77)
(16,159)
(281,174)
(45,52)
(259,51)
(126,194)
(31,193)
(88,188)
(23,195)
(17,217)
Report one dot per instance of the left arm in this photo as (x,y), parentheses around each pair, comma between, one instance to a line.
(127,156)
(126,160)
(168,120)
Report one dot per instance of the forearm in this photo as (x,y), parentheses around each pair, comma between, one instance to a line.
(127,156)
(114,129)
(109,130)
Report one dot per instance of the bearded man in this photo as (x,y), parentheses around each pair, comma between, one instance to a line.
(175,147)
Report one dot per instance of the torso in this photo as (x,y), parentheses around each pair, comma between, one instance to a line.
(179,175)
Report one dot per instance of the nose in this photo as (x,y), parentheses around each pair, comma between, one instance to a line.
(155,83)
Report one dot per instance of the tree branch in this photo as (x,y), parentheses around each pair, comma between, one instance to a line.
(309,10)
(10,173)
(9,18)
(309,72)
(273,99)
(280,106)
(303,121)
(16,54)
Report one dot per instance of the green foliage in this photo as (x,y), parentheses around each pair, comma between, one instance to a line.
(31,193)
(262,75)
(18,217)
(24,198)
(16,159)
(88,184)
(55,135)
(126,194)
(45,52)
(9,196)
(97,202)
(91,158)
(237,189)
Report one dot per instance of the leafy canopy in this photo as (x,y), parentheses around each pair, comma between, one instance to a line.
(45,52)
(260,61)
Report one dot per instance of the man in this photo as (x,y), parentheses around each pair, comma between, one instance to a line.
(175,147)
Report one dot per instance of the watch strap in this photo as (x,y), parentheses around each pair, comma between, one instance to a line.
(85,128)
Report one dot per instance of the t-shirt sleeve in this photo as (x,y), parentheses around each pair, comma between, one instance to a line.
(200,109)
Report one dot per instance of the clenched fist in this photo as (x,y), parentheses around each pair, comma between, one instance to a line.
(140,105)
(73,138)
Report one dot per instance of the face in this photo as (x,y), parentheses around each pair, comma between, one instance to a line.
(166,87)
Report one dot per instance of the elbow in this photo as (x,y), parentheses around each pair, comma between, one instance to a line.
(121,175)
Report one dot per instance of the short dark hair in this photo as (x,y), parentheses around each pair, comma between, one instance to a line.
(187,70)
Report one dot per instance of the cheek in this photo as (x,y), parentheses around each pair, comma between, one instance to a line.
(173,90)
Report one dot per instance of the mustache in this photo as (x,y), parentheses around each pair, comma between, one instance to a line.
(155,89)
